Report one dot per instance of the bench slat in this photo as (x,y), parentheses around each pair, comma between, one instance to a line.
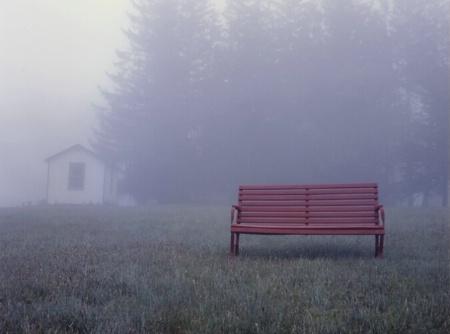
(296,214)
(307,203)
(308,192)
(292,197)
(327,221)
(255,208)
(308,227)
(307,230)
(311,186)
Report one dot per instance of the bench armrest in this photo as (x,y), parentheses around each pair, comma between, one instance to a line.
(234,208)
(381,209)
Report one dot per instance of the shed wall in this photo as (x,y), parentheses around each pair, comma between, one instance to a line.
(58,175)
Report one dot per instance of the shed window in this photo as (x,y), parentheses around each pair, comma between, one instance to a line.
(76,175)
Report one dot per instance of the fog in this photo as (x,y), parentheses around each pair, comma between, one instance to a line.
(203,100)
(53,56)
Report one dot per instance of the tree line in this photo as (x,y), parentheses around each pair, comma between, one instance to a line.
(280,92)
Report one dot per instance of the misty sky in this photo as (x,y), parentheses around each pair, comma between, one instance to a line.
(54,54)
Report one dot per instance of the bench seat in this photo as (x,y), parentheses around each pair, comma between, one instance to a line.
(338,209)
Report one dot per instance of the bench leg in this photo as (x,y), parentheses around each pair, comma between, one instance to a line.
(232,245)
(380,251)
(379,243)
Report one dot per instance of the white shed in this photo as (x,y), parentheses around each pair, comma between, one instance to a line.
(77,175)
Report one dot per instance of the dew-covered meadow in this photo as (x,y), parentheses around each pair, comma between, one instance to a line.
(166,269)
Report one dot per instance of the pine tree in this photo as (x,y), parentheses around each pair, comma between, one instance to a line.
(148,122)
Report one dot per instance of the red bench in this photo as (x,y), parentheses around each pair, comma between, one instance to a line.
(327,209)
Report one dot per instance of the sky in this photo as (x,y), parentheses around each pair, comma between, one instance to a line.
(54,56)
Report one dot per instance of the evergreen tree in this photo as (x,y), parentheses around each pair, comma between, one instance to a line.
(279,92)
(149,121)
(421,64)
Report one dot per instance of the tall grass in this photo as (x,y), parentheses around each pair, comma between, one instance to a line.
(166,270)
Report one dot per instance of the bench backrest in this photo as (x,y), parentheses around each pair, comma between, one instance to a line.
(309,204)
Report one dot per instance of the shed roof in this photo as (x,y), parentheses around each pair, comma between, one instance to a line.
(76,147)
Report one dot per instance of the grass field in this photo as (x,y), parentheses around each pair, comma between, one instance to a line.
(166,270)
